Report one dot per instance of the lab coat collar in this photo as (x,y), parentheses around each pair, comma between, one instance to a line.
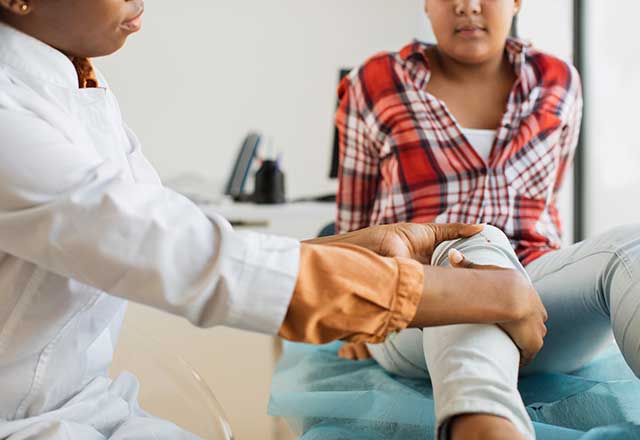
(35,58)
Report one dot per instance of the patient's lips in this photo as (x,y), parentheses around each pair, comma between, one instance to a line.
(134,23)
(471,30)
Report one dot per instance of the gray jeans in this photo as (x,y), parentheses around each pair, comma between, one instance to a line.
(591,291)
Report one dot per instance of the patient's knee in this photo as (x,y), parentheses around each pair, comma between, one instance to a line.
(619,286)
(489,247)
(495,235)
(622,240)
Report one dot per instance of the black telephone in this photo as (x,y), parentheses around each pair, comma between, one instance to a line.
(242,166)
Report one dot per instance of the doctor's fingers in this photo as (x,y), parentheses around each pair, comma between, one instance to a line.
(453,231)
(458,260)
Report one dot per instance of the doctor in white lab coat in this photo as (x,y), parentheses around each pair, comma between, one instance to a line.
(85,225)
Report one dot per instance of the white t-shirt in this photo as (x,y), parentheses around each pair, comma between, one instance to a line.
(481,140)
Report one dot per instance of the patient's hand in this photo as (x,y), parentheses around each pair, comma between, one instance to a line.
(354,351)
(409,240)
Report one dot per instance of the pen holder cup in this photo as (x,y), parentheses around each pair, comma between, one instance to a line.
(269,184)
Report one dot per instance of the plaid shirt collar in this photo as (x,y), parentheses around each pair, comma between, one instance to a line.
(415,54)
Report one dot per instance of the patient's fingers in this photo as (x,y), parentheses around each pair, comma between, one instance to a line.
(354,352)
(362,352)
(346,352)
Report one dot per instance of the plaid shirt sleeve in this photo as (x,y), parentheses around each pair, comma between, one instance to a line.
(359,161)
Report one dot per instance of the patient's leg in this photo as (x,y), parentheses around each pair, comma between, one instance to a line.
(473,367)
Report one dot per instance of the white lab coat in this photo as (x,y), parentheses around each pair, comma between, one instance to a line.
(85,225)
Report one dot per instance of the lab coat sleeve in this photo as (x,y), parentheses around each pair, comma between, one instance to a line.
(71,212)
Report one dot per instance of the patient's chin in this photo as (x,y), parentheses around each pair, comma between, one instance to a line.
(471,54)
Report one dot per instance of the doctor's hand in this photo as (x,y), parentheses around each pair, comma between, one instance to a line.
(527,329)
(409,240)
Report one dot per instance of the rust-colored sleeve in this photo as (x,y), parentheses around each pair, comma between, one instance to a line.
(346,292)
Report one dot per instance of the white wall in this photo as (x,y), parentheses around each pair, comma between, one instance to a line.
(613,88)
(203,73)
(549,25)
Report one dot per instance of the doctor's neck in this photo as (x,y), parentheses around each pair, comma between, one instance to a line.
(78,28)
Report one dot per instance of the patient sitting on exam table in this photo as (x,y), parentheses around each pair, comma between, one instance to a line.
(482,355)
(484,130)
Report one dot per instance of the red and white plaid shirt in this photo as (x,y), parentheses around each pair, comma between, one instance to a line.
(403,156)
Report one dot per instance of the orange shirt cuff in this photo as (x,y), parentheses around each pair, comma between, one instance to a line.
(350,293)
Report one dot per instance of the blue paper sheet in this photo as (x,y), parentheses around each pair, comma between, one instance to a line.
(324,397)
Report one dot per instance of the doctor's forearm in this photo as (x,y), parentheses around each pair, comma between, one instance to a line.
(466,296)
(350,293)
